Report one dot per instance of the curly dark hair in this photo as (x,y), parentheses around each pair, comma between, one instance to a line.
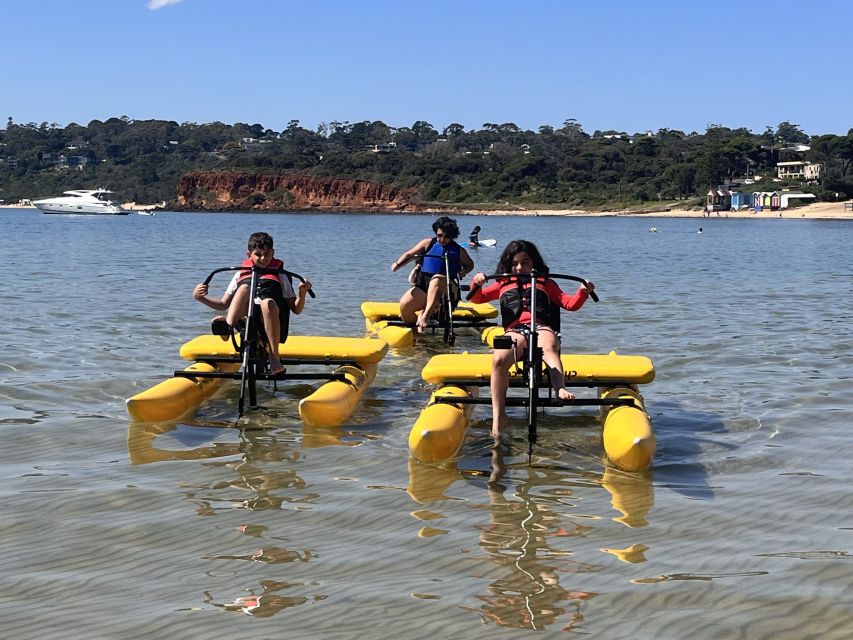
(448,225)
(518,246)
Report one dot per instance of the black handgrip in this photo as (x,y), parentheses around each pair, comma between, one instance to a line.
(292,274)
(215,271)
(563,276)
(560,276)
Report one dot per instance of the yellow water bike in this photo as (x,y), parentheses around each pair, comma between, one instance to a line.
(628,440)
(242,353)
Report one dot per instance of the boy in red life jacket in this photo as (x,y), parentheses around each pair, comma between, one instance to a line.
(522,256)
(275,293)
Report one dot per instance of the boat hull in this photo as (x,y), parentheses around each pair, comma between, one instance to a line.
(112,210)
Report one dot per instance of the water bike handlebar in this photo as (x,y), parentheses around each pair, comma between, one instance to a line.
(530,276)
(261,271)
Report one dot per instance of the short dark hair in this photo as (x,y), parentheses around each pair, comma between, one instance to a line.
(260,240)
(448,225)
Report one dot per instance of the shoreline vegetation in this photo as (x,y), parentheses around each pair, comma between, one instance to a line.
(371,167)
(818,210)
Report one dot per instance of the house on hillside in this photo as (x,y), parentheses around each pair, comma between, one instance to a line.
(808,171)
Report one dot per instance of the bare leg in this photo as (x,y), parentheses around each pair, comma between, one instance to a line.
(551,356)
(412,301)
(239,306)
(436,289)
(502,360)
(270,312)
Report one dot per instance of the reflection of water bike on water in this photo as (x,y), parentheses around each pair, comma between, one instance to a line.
(243,354)
(627,437)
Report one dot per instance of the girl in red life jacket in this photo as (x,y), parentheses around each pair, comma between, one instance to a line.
(522,256)
(275,295)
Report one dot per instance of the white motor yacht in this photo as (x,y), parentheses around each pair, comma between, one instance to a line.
(83,201)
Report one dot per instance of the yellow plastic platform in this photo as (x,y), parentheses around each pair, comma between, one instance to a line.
(592,369)
(376,311)
(362,350)
(379,316)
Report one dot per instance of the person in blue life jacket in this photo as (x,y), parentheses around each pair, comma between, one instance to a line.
(474,238)
(430,275)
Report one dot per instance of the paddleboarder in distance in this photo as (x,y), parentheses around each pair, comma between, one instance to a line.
(474,238)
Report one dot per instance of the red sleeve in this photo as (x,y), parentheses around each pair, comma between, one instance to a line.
(491,291)
(566,301)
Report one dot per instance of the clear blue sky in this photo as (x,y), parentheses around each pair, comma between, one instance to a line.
(626,65)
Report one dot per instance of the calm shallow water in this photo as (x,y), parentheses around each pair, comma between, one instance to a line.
(113,530)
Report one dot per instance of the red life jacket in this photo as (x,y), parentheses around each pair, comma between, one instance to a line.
(515,299)
(275,263)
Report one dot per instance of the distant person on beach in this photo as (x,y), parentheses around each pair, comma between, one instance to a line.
(275,295)
(522,257)
(474,238)
(430,278)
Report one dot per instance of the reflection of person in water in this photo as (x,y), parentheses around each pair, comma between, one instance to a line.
(529,595)
(265,604)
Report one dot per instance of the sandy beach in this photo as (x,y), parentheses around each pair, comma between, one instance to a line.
(829,210)
(834,210)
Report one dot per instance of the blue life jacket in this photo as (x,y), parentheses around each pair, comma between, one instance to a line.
(433,260)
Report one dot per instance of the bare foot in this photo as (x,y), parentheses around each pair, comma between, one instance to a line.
(565,395)
(500,429)
(275,366)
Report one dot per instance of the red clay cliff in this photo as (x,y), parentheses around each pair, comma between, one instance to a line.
(237,191)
